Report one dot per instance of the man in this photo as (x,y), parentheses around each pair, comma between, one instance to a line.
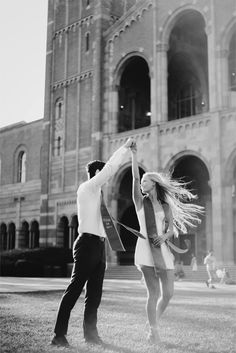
(210,262)
(88,251)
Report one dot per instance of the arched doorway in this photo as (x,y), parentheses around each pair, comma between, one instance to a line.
(192,169)
(134,95)
(187,67)
(34,235)
(3,237)
(127,215)
(11,236)
(24,235)
(63,232)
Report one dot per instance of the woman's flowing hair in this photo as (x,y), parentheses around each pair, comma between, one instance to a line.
(177,196)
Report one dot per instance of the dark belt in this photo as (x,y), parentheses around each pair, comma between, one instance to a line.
(92,236)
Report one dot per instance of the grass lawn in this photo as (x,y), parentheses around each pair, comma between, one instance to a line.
(198,320)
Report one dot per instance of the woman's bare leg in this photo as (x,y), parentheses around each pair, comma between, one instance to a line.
(167,291)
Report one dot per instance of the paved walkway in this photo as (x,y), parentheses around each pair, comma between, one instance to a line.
(24,284)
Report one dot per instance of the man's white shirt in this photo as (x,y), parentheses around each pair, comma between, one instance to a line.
(89,196)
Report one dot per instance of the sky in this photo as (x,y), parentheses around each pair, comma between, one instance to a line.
(23,30)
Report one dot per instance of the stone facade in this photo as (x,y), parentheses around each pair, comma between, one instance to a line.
(161,71)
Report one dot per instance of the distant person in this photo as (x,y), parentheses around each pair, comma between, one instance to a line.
(88,251)
(193,263)
(210,262)
(161,208)
(224,276)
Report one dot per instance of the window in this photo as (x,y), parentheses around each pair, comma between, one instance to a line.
(21,167)
(87,39)
(58,145)
(59,109)
(186,102)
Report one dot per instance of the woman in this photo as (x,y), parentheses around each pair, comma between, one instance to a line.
(194,263)
(160,213)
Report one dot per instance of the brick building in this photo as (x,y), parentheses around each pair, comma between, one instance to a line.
(162,71)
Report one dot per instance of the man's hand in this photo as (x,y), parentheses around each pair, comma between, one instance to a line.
(129,142)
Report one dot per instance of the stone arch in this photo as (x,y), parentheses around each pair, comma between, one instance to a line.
(187,58)
(22,148)
(119,176)
(170,164)
(133,91)
(24,235)
(126,214)
(120,67)
(227,35)
(190,168)
(62,239)
(34,235)
(3,236)
(11,236)
(174,17)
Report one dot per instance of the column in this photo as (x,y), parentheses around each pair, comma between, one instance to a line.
(161,82)
(228,229)
(222,78)
(45,157)
(217,193)
(212,82)
(97,77)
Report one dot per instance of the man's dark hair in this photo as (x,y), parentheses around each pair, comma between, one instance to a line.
(92,166)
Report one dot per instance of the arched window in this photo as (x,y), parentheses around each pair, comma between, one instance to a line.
(58,126)
(87,41)
(34,235)
(25,235)
(58,145)
(3,236)
(11,236)
(232,63)
(187,76)
(186,101)
(59,109)
(21,167)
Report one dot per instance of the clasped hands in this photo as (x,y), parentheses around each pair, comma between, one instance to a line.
(131,143)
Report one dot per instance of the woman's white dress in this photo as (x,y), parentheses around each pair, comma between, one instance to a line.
(143,254)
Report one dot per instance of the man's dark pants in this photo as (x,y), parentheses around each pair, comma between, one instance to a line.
(89,266)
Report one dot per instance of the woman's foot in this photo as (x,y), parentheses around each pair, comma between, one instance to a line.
(153,336)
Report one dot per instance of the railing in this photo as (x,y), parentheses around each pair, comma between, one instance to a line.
(185,124)
(140,135)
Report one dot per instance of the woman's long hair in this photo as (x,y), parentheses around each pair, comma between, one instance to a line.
(177,196)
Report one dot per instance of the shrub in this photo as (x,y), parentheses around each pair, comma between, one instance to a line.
(49,262)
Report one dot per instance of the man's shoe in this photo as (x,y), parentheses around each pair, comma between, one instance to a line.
(60,341)
(93,339)
(207,283)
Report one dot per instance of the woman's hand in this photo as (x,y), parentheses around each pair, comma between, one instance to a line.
(133,147)
(129,142)
(157,240)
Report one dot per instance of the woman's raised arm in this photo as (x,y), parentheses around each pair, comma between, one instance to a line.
(136,192)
